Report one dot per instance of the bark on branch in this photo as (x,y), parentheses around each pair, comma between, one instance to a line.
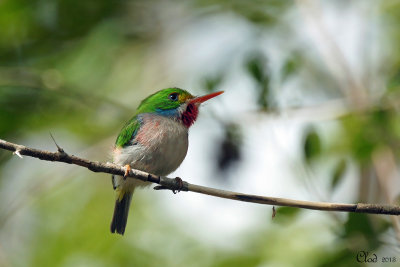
(175,184)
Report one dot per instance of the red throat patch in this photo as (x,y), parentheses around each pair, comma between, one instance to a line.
(189,116)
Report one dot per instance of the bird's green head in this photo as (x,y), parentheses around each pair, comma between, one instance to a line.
(164,100)
(174,103)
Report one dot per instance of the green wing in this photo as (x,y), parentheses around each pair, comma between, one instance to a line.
(128,132)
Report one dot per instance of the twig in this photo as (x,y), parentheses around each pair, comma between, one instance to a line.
(179,185)
(59,149)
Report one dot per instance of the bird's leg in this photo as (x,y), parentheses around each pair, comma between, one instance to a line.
(127,170)
(179,181)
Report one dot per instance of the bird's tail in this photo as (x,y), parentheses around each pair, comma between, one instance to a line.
(121,211)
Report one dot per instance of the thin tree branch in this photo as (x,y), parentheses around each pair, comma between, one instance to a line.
(178,185)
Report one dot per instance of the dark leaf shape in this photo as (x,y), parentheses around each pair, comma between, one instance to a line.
(256,67)
(291,66)
(230,147)
(338,173)
(312,145)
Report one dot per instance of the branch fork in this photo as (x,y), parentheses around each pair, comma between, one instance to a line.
(17,152)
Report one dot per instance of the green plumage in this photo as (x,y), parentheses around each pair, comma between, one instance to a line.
(128,132)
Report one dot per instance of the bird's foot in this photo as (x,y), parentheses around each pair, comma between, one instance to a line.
(127,170)
(179,182)
(176,187)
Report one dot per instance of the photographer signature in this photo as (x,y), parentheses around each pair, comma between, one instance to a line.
(367,257)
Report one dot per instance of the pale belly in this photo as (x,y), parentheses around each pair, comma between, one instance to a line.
(161,146)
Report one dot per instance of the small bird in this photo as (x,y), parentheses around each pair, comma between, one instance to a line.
(155,140)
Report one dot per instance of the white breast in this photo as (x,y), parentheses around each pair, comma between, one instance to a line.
(161,147)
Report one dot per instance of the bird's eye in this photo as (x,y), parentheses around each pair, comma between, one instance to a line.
(173,96)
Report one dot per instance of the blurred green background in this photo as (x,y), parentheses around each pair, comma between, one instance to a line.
(310,112)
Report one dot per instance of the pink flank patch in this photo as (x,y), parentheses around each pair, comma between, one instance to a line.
(117,151)
(147,130)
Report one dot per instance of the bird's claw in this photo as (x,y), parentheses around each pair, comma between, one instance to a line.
(176,187)
(160,187)
(179,181)
(127,170)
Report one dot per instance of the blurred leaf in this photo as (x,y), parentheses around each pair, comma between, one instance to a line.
(359,227)
(263,98)
(338,173)
(291,66)
(256,67)
(312,145)
(363,133)
(36,28)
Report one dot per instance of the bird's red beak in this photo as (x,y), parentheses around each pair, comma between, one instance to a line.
(204,98)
